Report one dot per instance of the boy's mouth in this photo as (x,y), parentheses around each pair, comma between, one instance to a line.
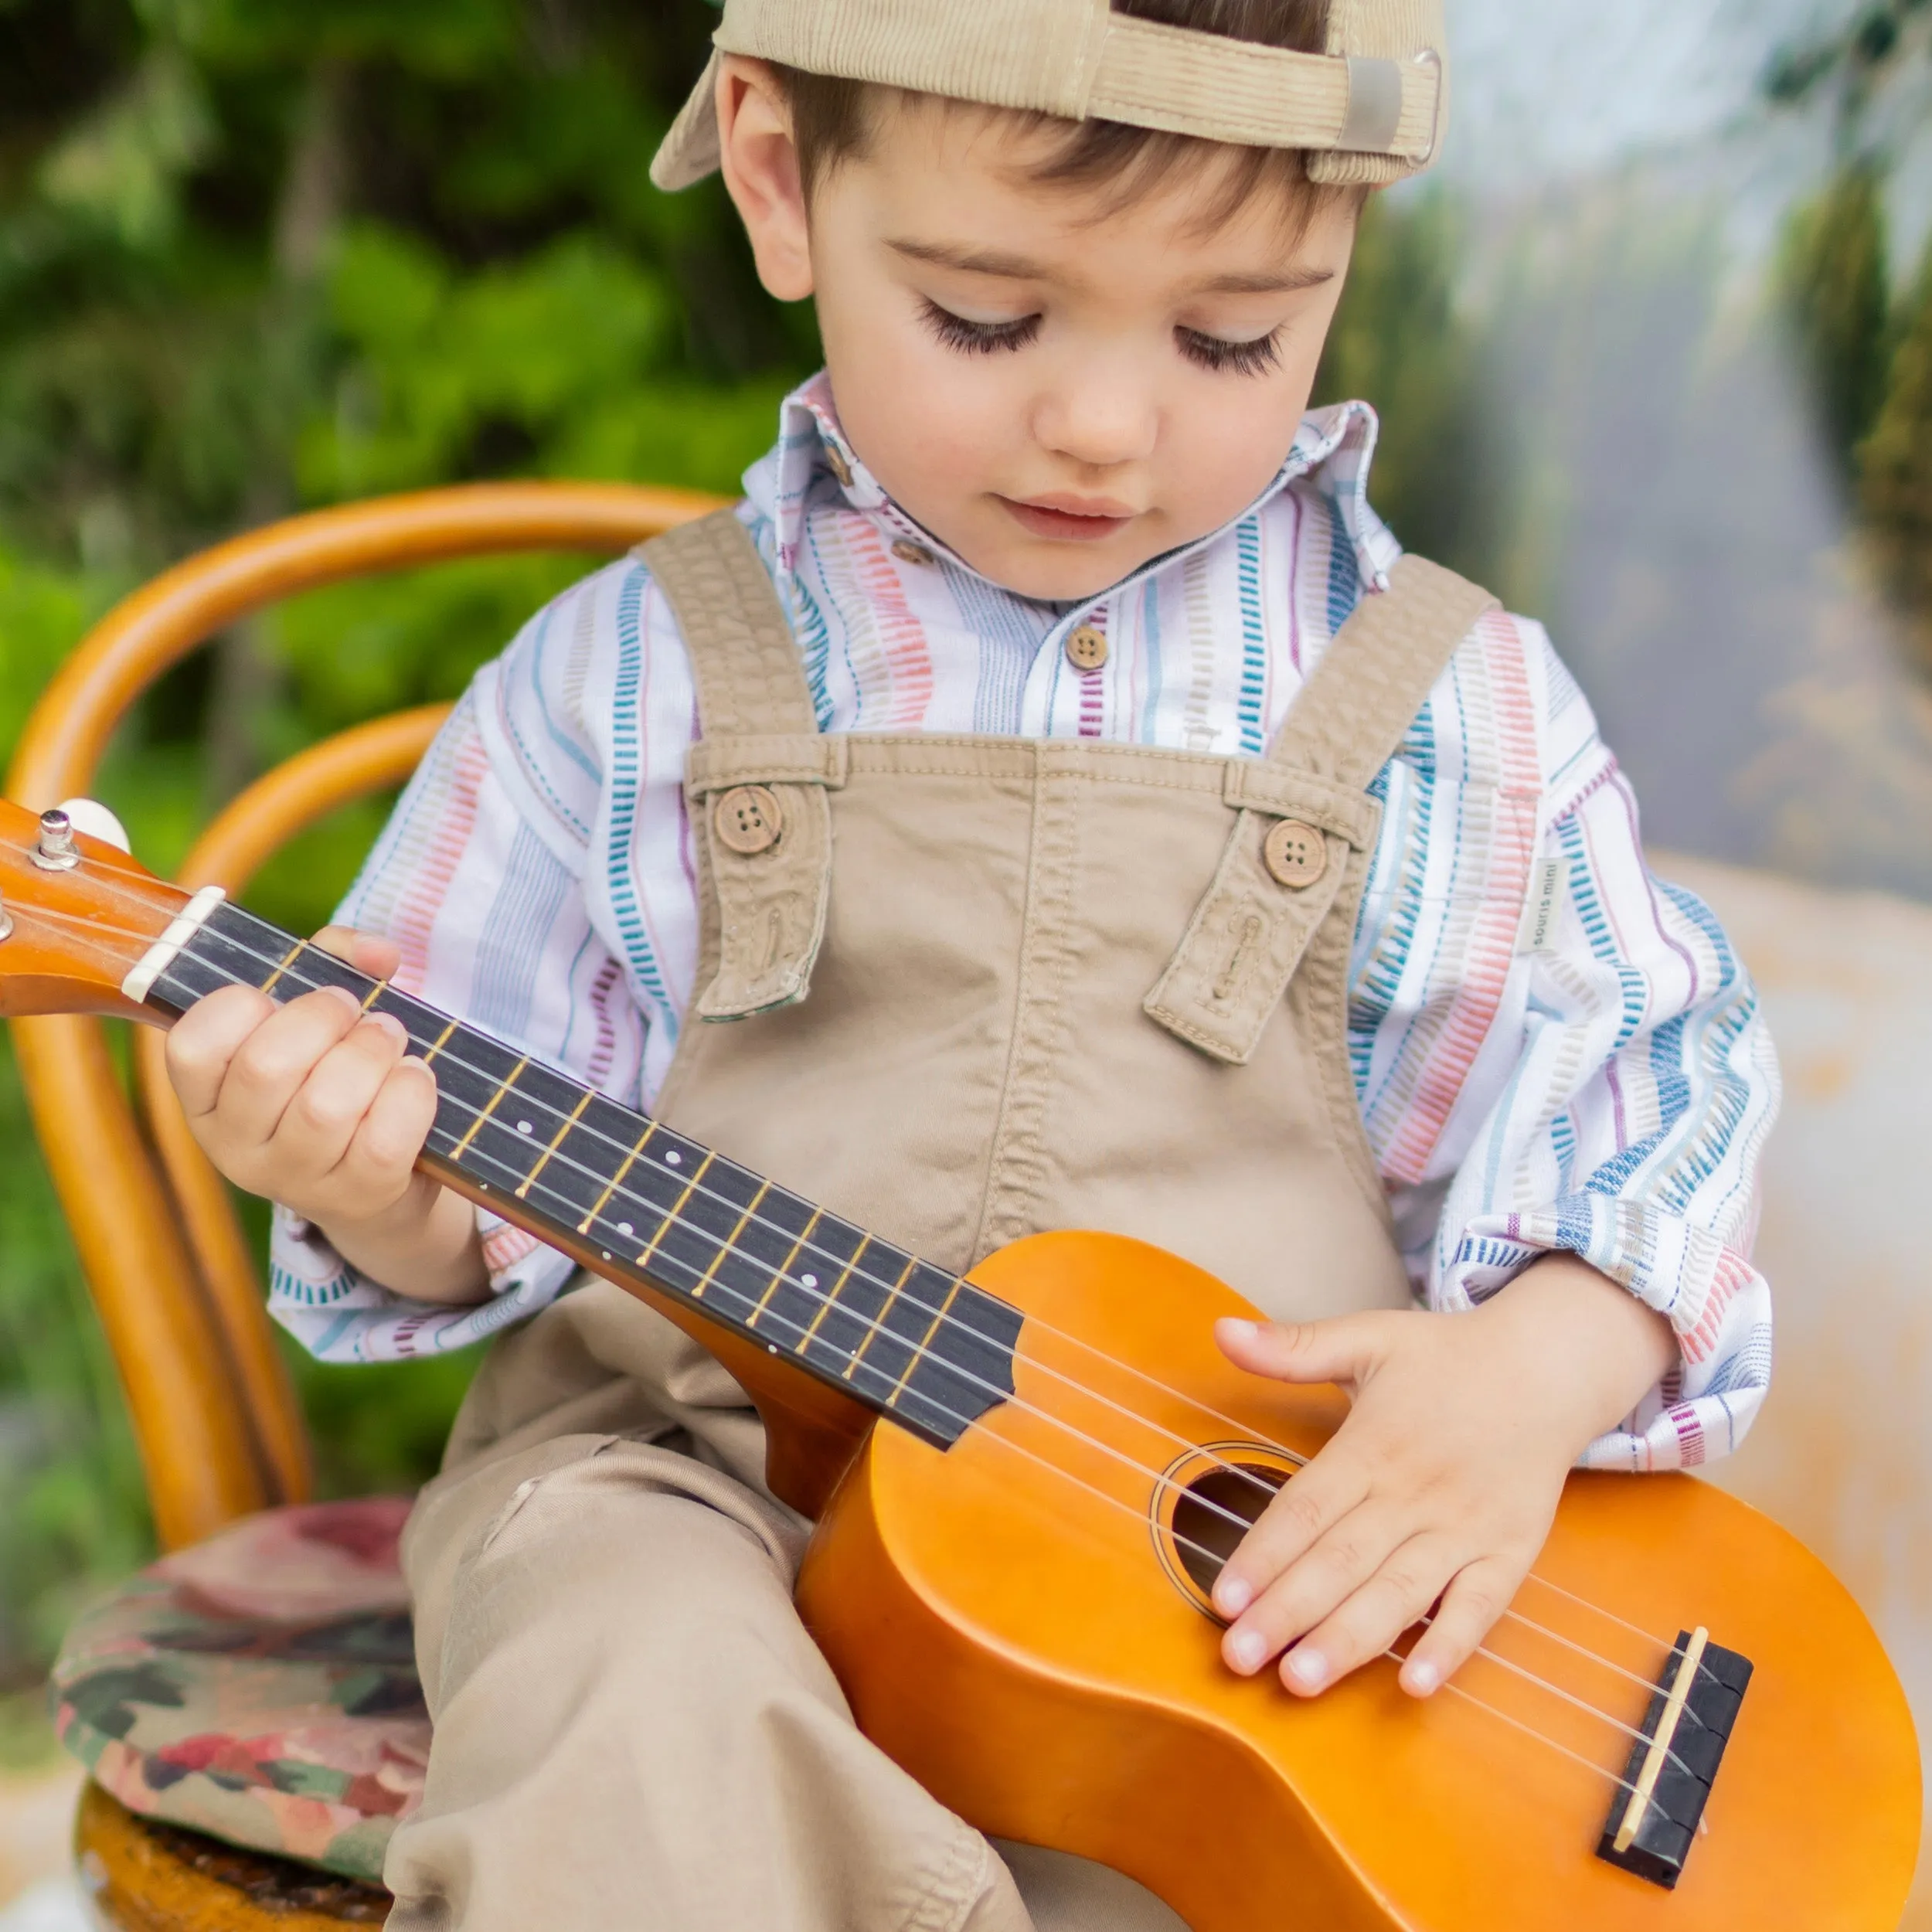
(1078,519)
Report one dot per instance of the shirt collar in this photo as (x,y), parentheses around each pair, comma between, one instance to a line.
(815,464)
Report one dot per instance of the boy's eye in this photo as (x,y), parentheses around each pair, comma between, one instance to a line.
(979,339)
(1243,358)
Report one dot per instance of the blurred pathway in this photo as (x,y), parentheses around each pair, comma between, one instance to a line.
(37,1892)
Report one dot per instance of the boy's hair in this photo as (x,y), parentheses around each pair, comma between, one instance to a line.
(832,120)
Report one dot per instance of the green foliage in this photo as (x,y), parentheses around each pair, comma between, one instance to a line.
(1836,287)
(255,254)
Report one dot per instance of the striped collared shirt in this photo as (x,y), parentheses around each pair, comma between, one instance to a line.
(1552,1048)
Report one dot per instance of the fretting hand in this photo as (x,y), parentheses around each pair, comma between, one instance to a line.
(321,1107)
(1442,1483)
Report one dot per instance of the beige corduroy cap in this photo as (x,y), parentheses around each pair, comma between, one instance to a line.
(1371,110)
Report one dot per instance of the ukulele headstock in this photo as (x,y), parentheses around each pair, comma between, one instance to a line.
(77,915)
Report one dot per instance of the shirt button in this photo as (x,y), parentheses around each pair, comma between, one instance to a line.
(1295,855)
(748,818)
(836,463)
(1086,649)
(908,552)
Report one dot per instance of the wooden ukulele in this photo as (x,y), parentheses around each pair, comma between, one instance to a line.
(1684,1720)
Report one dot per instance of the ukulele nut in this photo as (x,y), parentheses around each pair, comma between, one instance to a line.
(56,851)
(6,922)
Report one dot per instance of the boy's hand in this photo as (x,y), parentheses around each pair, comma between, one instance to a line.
(318,1106)
(1442,1482)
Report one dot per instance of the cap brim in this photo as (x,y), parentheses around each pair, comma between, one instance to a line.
(690,150)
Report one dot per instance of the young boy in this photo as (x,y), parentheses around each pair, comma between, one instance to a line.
(1095,823)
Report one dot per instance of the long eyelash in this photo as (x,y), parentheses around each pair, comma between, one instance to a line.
(1242,358)
(979,339)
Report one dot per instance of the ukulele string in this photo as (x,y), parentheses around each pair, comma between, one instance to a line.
(96,929)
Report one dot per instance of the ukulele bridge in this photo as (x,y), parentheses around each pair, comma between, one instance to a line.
(1674,1762)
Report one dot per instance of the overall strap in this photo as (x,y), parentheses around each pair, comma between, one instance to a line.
(756,780)
(1304,824)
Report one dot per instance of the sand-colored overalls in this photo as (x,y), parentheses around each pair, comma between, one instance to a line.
(982,987)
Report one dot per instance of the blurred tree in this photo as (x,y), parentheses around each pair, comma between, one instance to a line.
(1868,355)
(1896,467)
(1399,343)
(1835,283)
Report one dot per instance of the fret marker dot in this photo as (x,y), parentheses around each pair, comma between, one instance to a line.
(673,1159)
(607,1254)
(809,1281)
(771,1348)
(523,1127)
(624,1227)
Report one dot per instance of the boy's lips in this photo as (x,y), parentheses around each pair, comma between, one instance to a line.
(1078,519)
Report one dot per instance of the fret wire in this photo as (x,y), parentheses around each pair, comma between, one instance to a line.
(664,1226)
(879,1320)
(939,1315)
(442,1040)
(644,1141)
(730,1244)
(495,1100)
(781,1278)
(576,1113)
(288,959)
(375,992)
(831,1296)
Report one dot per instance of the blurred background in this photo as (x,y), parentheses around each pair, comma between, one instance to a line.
(1655,348)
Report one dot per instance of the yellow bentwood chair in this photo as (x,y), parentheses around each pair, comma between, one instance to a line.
(247,1708)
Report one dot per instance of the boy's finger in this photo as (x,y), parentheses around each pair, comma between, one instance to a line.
(1306,1509)
(1476,1597)
(321,1117)
(270,1065)
(1343,1349)
(367,952)
(1409,1579)
(1310,1590)
(206,1039)
(381,1157)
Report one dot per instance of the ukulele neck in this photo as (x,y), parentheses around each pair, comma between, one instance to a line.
(641,1204)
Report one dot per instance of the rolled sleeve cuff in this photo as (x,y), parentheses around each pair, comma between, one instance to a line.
(1718,1305)
(338,1314)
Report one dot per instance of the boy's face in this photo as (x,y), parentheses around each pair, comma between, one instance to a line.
(1057,389)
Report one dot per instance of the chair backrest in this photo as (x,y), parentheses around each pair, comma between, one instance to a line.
(176,1291)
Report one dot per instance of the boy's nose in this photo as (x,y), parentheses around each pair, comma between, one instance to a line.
(1099,417)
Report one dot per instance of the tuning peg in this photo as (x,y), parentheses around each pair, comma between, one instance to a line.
(90,816)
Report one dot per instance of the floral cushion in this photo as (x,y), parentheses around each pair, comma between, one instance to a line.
(260,1687)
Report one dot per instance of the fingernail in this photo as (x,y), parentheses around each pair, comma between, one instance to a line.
(1240,1327)
(1420,1677)
(1308,1667)
(1246,1649)
(1233,1595)
(391,1026)
(421,1065)
(347,998)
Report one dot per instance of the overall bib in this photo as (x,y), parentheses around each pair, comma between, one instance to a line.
(982,987)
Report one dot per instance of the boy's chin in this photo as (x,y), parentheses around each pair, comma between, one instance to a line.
(1065,571)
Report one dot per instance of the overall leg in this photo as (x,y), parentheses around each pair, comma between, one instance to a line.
(633,1730)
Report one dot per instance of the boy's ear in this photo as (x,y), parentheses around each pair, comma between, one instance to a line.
(760,167)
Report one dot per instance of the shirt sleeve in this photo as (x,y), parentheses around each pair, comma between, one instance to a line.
(1618,1100)
(478,877)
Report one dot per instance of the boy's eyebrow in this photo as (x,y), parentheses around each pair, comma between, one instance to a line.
(1021,268)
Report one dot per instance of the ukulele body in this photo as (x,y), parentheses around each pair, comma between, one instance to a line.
(1028,1644)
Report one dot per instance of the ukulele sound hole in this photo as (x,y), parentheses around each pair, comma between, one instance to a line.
(1213,1506)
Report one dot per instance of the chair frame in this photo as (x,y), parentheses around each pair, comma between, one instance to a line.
(219,1431)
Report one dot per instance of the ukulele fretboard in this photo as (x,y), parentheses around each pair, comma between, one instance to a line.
(909,1340)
